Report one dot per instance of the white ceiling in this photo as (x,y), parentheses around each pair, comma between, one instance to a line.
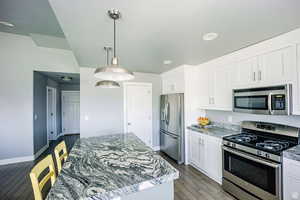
(152,31)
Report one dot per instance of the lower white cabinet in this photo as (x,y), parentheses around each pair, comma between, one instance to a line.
(205,153)
(291,179)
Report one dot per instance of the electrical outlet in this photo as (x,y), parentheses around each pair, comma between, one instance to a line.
(230,118)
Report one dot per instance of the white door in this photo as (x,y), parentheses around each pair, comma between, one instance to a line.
(70,112)
(51,113)
(138,110)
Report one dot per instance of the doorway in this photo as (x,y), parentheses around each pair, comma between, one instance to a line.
(138,110)
(70,112)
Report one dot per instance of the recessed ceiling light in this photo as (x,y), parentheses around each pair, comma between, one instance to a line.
(210,36)
(66,78)
(7,24)
(167,62)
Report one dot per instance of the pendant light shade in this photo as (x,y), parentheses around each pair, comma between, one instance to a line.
(114,72)
(108,84)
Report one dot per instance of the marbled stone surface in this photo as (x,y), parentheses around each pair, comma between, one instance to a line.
(107,167)
(293,153)
(217,129)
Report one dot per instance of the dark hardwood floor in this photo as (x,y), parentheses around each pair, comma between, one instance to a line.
(193,185)
(15,183)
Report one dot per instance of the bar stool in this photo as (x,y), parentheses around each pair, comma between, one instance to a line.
(36,172)
(61,147)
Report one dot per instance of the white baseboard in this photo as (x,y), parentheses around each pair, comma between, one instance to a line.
(156,148)
(44,148)
(16,160)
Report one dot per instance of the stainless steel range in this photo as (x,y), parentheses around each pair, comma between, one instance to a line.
(252,160)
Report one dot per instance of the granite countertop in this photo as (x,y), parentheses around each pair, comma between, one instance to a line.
(293,153)
(216,131)
(107,167)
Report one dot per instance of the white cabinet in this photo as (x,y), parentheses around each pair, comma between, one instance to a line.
(222,97)
(216,88)
(173,81)
(205,153)
(246,73)
(291,179)
(275,67)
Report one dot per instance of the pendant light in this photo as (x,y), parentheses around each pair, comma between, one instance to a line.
(107,83)
(114,72)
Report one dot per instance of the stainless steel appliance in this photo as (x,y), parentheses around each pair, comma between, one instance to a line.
(252,160)
(274,100)
(172,126)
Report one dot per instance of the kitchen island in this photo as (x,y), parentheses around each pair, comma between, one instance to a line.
(114,167)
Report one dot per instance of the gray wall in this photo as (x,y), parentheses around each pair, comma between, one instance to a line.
(70,87)
(102,109)
(19,58)
(223,116)
(39,111)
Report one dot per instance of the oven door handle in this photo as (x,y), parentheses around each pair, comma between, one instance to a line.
(268,163)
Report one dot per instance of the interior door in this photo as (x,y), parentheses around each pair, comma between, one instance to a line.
(174,114)
(138,110)
(51,113)
(70,112)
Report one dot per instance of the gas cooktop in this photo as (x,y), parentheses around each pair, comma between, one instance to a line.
(268,144)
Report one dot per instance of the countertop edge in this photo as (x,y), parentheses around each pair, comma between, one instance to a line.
(205,131)
(136,187)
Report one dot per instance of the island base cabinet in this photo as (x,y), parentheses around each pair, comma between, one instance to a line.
(205,153)
(291,179)
(163,191)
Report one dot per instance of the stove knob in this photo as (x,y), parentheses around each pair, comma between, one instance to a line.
(233,145)
(259,153)
(267,155)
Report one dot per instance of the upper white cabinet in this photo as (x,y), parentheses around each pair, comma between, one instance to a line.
(216,87)
(173,81)
(275,67)
(245,73)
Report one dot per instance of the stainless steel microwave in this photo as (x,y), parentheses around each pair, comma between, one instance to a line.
(275,100)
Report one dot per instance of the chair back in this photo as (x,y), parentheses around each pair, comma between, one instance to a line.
(61,147)
(36,172)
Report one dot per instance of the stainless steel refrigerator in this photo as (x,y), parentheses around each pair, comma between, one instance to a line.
(172,126)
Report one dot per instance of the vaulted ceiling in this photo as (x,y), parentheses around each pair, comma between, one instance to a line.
(150,32)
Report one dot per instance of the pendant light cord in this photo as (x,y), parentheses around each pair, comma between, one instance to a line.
(114,38)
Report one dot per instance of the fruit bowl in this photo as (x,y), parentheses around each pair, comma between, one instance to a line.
(203,121)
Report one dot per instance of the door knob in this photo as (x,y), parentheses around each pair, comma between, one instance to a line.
(128,123)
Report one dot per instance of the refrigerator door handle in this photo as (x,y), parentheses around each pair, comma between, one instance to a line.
(168,113)
(172,136)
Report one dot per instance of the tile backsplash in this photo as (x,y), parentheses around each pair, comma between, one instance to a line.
(227,117)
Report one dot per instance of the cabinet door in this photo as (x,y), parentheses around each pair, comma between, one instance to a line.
(194,139)
(202,153)
(203,86)
(214,158)
(291,179)
(222,97)
(277,67)
(246,74)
